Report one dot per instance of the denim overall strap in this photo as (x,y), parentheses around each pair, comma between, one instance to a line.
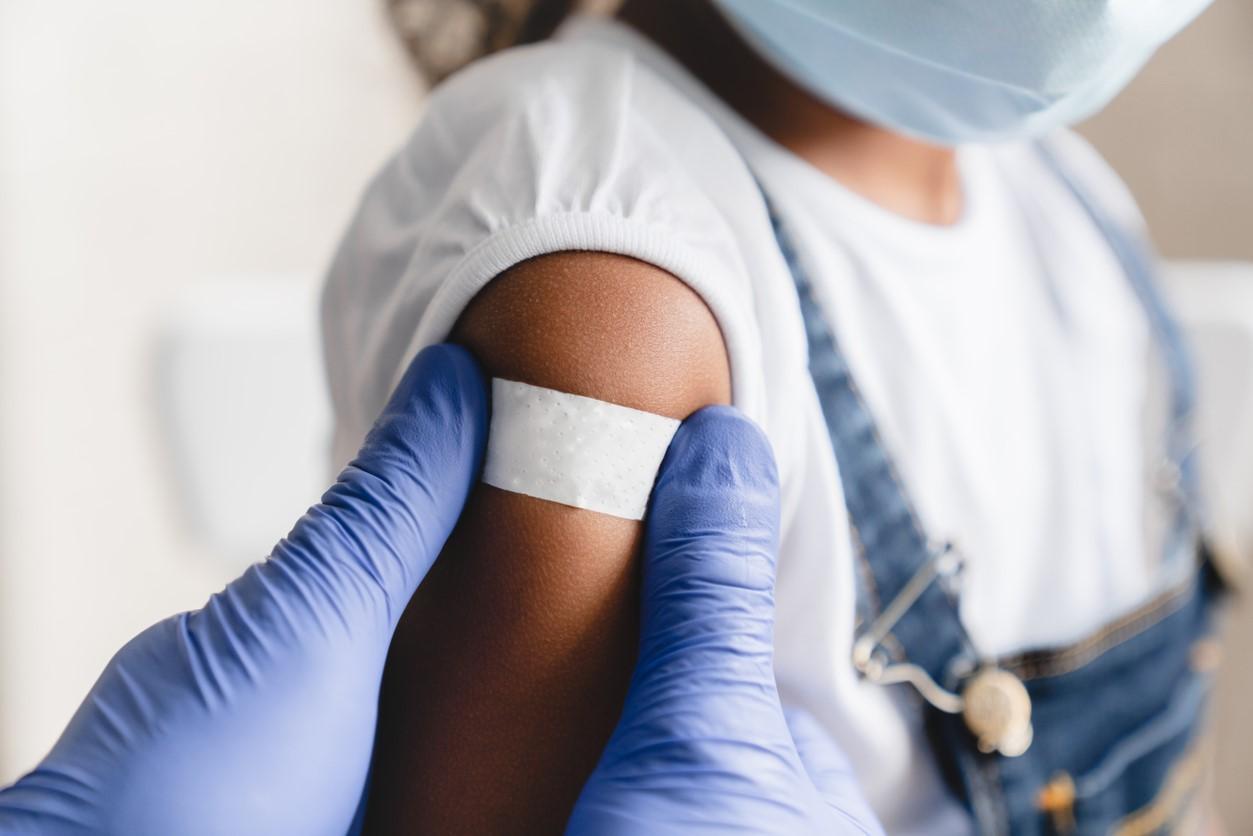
(909,624)
(1137,260)
(1117,710)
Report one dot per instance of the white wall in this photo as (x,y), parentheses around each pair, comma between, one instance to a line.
(145,146)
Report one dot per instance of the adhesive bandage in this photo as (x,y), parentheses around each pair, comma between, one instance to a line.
(574,450)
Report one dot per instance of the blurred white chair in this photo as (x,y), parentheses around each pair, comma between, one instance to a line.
(244,410)
(1214,302)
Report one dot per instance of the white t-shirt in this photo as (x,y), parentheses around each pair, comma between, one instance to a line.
(1005,358)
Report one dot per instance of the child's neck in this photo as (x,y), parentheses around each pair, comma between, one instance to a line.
(909,177)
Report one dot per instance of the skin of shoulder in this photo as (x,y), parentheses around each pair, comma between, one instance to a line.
(510,664)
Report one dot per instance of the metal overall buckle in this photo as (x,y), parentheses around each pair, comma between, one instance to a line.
(993,702)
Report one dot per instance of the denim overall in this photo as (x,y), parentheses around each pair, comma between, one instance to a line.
(1101,736)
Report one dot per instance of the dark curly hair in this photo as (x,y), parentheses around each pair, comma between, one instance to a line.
(443,35)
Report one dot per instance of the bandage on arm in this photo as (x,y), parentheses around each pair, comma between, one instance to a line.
(509,668)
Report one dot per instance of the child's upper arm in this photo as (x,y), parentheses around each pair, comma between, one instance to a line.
(509,667)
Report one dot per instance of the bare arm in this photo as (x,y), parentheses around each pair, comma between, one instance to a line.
(510,664)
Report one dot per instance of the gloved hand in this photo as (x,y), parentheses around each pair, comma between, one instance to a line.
(256,714)
(703,745)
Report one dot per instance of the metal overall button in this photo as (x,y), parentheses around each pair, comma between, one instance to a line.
(997,710)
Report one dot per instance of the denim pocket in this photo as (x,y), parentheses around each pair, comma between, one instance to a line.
(1144,783)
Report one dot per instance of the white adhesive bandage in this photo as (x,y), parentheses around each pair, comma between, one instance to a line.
(574,450)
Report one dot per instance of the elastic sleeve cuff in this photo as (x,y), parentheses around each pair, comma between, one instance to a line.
(712,278)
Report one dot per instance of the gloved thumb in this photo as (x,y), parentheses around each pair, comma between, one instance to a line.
(708,579)
(382,524)
(831,772)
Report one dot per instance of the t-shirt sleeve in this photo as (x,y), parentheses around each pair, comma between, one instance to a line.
(539,150)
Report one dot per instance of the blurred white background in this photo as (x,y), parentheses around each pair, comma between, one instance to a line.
(173,178)
(151,153)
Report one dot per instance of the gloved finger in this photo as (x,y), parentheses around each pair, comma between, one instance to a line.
(383,523)
(708,580)
(702,719)
(830,770)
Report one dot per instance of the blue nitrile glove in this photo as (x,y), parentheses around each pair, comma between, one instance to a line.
(256,714)
(703,745)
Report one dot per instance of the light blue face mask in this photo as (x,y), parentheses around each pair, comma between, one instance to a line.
(953,71)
